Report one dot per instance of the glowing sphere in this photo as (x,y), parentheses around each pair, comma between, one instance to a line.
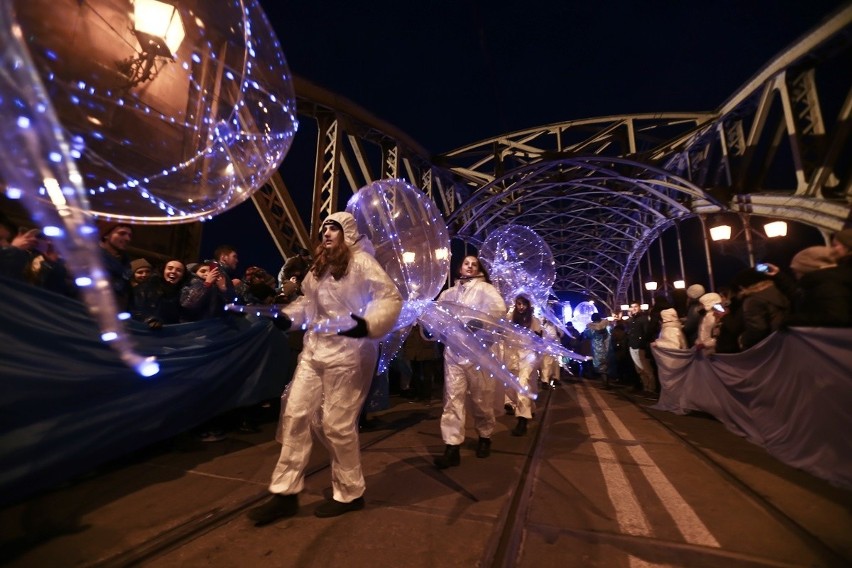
(172,112)
(519,261)
(583,315)
(410,239)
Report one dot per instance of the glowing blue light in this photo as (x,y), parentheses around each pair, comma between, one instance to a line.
(83,281)
(13,193)
(52,231)
(148,368)
(109,336)
(23,122)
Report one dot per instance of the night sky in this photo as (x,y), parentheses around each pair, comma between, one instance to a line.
(449,73)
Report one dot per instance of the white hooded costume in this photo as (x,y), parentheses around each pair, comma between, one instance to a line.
(671,331)
(708,322)
(522,363)
(461,374)
(334,372)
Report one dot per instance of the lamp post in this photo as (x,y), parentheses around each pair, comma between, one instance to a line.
(159,30)
(773,229)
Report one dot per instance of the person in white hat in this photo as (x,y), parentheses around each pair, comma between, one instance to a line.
(693,313)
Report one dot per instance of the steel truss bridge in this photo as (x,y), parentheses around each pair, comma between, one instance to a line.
(601,191)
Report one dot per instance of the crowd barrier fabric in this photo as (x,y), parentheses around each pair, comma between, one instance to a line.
(68,403)
(790,394)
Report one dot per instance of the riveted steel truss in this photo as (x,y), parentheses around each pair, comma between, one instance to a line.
(601,190)
(353,149)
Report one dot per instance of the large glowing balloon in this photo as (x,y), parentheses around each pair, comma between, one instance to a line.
(409,236)
(101,115)
(173,111)
(411,243)
(519,262)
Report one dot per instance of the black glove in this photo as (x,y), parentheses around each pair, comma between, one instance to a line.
(282,322)
(474,325)
(360,329)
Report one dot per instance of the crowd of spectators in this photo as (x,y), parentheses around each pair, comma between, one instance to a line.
(815,290)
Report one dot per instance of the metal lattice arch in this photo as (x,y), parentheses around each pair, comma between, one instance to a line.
(601,190)
(597,214)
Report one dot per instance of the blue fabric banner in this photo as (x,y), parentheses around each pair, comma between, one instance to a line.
(790,394)
(68,403)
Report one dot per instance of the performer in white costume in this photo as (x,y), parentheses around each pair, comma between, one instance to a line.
(550,364)
(461,374)
(523,362)
(334,370)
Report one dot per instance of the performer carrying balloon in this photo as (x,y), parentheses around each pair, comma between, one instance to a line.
(334,370)
(463,374)
(523,362)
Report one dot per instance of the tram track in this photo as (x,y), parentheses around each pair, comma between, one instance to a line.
(829,556)
(203,523)
(517,520)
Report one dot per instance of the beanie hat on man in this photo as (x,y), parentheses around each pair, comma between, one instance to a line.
(139,263)
(812,258)
(844,237)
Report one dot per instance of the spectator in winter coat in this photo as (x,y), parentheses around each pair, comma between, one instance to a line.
(764,307)
(823,295)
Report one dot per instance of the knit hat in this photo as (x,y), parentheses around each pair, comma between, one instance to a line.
(812,258)
(844,237)
(695,291)
(709,300)
(139,263)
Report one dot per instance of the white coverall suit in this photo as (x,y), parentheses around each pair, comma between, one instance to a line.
(549,363)
(460,374)
(523,363)
(334,372)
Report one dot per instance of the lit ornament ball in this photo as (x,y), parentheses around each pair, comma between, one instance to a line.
(519,261)
(410,238)
(583,315)
(165,125)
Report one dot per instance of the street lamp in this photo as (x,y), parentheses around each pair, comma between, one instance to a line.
(775,229)
(159,29)
(720,232)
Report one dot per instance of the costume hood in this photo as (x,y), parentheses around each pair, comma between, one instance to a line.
(708,300)
(346,222)
(669,315)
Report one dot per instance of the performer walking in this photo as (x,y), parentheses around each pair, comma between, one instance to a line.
(461,375)
(334,371)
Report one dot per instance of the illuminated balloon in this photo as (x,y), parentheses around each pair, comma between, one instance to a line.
(519,262)
(583,315)
(409,234)
(411,243)
(100,115)
(172,111)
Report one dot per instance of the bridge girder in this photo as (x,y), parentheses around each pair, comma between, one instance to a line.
(601,190)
